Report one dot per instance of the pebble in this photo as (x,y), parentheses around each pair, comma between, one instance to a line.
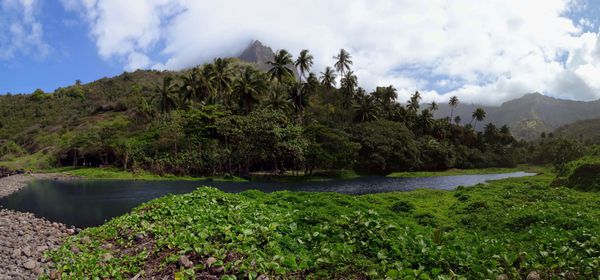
(533,276)
(210,261)
(185,262)
(24,238)
(30,264)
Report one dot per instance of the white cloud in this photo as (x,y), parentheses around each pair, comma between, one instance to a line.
(487,51)
(20,31)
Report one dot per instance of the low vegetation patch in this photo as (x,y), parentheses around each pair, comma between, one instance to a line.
(509,227)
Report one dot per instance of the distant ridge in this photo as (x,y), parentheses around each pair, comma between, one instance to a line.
(529,115)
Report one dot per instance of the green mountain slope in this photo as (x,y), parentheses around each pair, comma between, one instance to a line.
(531,114)
(587,131)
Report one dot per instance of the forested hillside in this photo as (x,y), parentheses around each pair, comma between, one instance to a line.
(587,131)
(529,116)
(228,117)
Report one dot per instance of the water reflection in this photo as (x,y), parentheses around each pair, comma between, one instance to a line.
(85,203)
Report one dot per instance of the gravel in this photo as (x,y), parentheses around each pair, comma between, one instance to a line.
(23,237)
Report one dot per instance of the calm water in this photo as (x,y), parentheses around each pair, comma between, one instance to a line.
(85,203)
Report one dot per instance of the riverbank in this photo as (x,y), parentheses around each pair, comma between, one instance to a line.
(507,229)
(458,172)
(23,237)
(118,174)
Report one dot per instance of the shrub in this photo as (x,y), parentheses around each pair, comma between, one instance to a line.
(402,207)
(585,178)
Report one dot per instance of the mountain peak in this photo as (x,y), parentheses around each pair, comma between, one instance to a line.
(256,52)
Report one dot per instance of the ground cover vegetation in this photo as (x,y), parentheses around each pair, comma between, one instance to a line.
(507,229)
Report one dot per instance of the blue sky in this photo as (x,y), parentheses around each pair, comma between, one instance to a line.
(72,56)
(483,52)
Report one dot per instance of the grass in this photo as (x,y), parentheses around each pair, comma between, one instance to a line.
(118,174)
(457,172)
(34,162)
(507,227)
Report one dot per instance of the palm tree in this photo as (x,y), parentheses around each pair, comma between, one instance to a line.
(328,78)
(386,95)
(349,82)
(166,90)
(426,119)
(311,86)
(413,104)
(280,69)
(248,88)
(479,115)
(453,104)
(222,77)
(303,63)
(433,106)
(196,86)
(343,61)
(457,120)
(365,109)
(277,99)
(298,99)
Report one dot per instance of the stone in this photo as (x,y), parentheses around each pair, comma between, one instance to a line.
(27,251)
(70,231)
(75,249)
(86,240)
(107,257)
(533,276)
(138,237)
(185,262)
(16,252)
(54,275)
(210,261)
(30,264)
(262,277)
(217,269)
(38,270)
(41,249)
(502,277)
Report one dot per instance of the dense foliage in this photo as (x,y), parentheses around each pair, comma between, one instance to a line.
(226,117)
(506,229)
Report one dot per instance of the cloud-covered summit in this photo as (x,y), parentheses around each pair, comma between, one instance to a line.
(482,51)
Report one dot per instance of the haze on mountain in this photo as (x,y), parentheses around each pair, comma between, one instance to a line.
(530,115)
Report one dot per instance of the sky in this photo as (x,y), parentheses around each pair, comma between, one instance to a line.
(484,52)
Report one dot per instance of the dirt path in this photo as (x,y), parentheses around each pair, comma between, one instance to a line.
(23,237)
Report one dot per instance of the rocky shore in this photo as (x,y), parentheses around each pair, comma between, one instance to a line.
(23,237)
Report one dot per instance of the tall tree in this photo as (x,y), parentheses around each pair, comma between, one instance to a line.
(279,66)
(166,91)
(343,61)
(311,86)
(457,120)
(248,89)
(478,115)
(453,104)
(304,63)
(328,78)
(365,109)
(196,86)
(414,102)
(223,80)
(433,106)
(277,99)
